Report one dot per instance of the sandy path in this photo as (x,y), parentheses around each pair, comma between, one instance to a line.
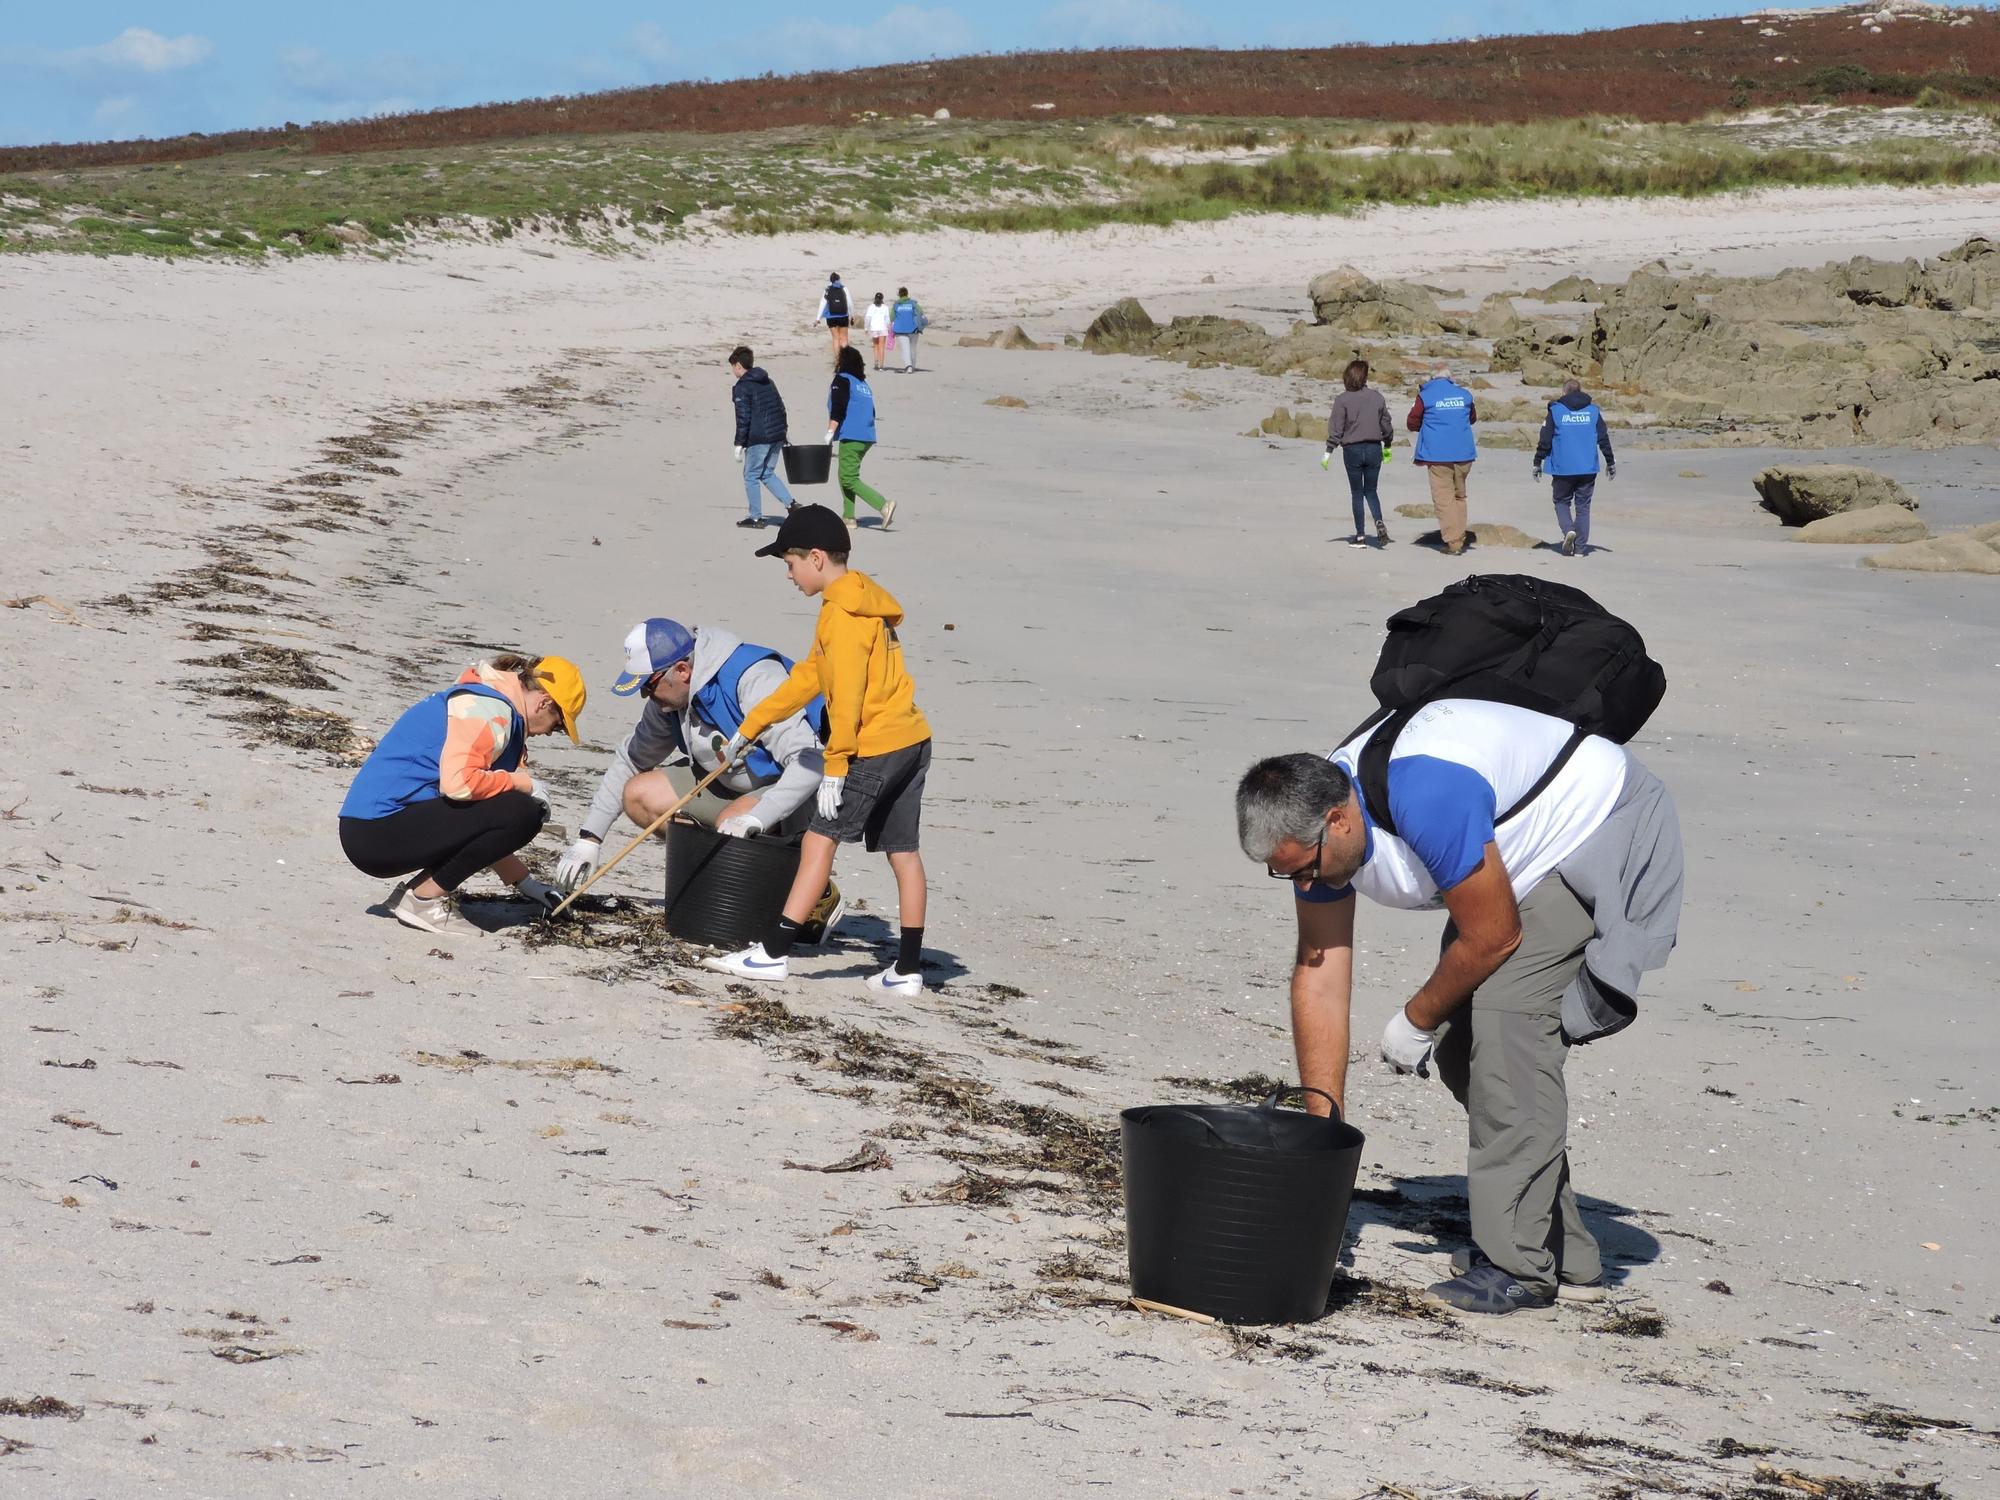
(469,1299)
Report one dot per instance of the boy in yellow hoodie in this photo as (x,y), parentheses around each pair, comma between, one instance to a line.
(878,745)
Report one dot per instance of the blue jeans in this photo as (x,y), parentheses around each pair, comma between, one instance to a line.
(1364,468)
(764,465)
(1572,494)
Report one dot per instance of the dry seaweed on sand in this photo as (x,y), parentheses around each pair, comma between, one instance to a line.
(1633,1323)
(39,1406)
(270,720)
(466,1060)
(1251,1088)
(1773,1483)
(1896,1426)
(633,939)
(270,666)
(1379,1297)
(1471,1379)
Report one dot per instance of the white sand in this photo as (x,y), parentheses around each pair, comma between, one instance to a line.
(1141,600)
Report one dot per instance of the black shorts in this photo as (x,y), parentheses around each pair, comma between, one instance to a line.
(881,801)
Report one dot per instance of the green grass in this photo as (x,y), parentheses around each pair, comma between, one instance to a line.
(612,191)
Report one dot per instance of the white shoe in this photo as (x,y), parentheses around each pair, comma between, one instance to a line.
(889,982)
(1569,544)
(438,915)
(888,514)
(750,963)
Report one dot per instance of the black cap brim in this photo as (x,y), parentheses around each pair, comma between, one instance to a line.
(771,549)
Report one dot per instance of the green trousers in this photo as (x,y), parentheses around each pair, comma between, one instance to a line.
(851,486)
(1502,1057)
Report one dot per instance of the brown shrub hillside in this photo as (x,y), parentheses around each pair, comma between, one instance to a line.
(1676,71)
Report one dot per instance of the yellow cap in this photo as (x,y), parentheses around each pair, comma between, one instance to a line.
(563,682)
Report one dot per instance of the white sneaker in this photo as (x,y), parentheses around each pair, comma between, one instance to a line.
(888,514)
(750,963)
(1569,544)
(889,982)
(438,915)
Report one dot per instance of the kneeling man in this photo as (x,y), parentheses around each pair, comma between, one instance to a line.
(1560,892)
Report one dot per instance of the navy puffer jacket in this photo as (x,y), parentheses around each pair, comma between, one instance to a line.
(760,410)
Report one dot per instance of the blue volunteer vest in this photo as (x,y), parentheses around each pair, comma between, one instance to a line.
(903,316)
(1575,449)
(859,426)
(720,702)
(1446,434)
(402,770)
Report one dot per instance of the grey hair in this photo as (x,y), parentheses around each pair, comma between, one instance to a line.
(1571,387)
(1287,797)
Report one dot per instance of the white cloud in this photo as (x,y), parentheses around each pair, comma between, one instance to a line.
(902,35)
(138,49)
(1120,23)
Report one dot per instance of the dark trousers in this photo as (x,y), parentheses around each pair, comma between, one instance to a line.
(1572,494)
(1363,462)
(450,840)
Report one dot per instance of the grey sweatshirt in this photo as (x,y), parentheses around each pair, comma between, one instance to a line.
(662,735)
(1359,417)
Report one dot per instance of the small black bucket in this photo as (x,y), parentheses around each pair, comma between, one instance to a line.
(809,463)
(1234,1211)
(725,891)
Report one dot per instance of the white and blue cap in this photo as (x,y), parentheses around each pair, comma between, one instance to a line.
(651,646)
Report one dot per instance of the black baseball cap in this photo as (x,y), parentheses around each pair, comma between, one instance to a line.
(807,527)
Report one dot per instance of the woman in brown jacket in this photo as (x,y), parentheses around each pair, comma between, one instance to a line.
(1359,428)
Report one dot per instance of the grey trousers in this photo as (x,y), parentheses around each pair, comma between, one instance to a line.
(1502,1057)
(708,807)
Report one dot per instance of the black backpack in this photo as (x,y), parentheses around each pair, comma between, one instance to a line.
(1506,638)
(836,300)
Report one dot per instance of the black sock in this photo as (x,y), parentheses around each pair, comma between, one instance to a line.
(779,943)
(910,951)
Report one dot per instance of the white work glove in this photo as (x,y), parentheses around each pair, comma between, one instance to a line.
(541,794)
(734,750)
(1326,459)
(541,893)
(742,826)
(829,796)
(739,453)
(1406,1049)
(578,860)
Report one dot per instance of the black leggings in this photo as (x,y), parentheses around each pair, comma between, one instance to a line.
(449,840)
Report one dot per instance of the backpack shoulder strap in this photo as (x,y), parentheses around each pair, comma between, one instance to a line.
(1371,766)
(1570,747)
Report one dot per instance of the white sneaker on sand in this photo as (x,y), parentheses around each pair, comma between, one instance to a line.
(439,915)
(889,982)
(888,514)
(1569,544)
(749,963)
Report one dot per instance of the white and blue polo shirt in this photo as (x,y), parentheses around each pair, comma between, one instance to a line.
(1460,764)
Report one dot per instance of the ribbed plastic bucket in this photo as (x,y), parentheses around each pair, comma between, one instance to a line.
(1235,1211)
(810,463)
(725,891)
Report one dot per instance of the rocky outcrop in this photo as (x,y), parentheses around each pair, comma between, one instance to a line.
(1496,317)
(1876,524)
(1122,328)
(1286,423)
(1345,298)
(1976,551)
(1798,494)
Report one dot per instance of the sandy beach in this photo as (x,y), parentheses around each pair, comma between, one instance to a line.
(281,1184)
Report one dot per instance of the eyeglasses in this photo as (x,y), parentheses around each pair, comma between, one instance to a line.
(1307,871)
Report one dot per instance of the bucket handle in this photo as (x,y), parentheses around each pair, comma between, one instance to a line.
(1271,1100)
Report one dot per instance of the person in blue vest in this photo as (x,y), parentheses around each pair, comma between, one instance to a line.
(1443,419)
(447,792)
(696,685)
(850,422)
(1573,434)
(906,321)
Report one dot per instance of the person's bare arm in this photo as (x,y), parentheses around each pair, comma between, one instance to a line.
(1322,993)
(1489,930)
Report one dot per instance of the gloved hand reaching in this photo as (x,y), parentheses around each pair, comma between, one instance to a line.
(1326,459)
(541,794)
(743,826)
(578,860)
(1406,1049)
(829,796)
(731,749)
(739,453)
(541,893)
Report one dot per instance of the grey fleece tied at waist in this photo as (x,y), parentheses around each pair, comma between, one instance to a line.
(1628,876)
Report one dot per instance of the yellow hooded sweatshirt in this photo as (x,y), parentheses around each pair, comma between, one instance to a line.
(857,663)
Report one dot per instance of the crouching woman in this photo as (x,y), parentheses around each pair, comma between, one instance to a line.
(447,792)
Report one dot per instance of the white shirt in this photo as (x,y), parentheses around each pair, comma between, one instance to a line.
(876,319)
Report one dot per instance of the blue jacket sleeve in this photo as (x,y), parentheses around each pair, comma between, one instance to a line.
(1444,811)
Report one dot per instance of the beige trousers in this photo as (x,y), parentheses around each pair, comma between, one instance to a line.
(1448,500)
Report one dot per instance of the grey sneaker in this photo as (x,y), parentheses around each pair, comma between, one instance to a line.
(1488,1289)
(438,915)
(1462,1261)
(1382,533)
(888,515)
(1569,544)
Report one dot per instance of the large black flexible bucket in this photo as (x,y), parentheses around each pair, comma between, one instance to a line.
(809,463)
(725,891)
(1234,1211)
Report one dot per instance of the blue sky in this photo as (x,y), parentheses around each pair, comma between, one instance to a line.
(94,71)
